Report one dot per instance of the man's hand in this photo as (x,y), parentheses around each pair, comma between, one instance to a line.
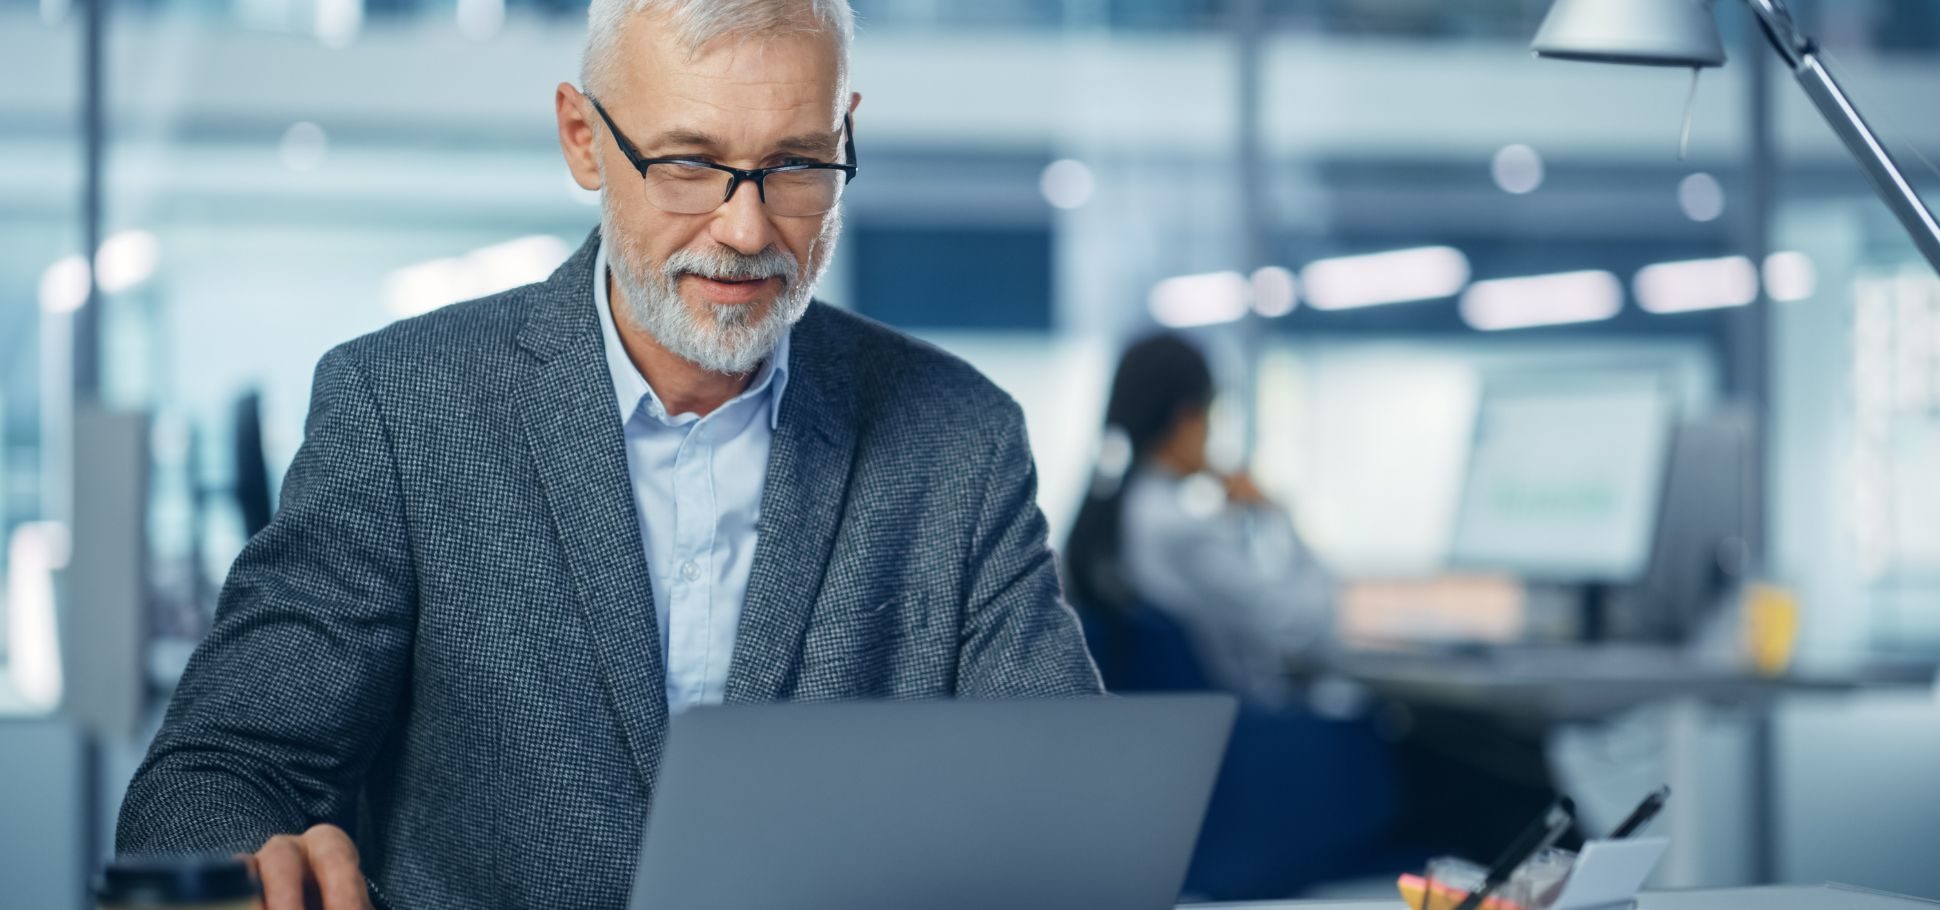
(315,870)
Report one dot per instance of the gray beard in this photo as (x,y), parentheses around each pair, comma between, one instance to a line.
(728,339)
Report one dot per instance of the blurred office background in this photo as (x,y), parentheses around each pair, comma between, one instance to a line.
(1045,180)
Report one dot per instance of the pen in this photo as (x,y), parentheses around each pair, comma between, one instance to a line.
(1533,840)
(1642,815)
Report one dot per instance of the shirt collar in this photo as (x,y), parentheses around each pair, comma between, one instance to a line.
(629,387)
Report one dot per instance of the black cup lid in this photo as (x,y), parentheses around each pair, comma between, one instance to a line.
(164,880)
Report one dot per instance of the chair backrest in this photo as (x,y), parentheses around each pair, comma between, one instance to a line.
(1141,649)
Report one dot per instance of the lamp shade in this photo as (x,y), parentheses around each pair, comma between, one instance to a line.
(1648,32)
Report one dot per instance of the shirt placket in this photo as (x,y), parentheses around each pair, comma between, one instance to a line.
(694,511)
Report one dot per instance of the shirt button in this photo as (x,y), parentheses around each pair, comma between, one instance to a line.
(689,570)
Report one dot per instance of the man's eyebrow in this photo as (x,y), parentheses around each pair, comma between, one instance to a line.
(811,143)
(682,138)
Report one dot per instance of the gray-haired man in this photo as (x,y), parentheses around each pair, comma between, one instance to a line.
(522,530)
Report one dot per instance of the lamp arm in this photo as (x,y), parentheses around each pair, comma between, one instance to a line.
(1782,29)
(1802,55)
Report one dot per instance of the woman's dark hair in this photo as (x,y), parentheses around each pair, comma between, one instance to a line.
(1159,379)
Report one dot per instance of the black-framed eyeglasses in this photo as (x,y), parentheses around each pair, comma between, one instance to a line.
(687,186)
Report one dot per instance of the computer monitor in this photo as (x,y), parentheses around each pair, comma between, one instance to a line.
(1702,545)
(1564,477)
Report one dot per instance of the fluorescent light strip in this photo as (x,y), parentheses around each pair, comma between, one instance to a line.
(1790,277)
(64,286)
(421,288)
(35,551)
(1348,282)
(1697,284)
(1539,300)
(126,259)
(1196,300)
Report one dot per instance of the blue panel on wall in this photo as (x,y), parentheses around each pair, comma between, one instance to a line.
(954,278)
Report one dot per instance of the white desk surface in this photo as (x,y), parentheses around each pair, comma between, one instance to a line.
(1784,897)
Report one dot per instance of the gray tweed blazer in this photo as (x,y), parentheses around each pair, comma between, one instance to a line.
(445,640)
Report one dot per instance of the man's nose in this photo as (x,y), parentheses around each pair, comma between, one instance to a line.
(741,223)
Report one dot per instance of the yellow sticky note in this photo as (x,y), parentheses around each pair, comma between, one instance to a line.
(1445,898)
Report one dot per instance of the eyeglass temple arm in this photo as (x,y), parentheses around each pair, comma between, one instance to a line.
(848,139)
(626,146)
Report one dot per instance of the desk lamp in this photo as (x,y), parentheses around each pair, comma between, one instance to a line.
(1682,33)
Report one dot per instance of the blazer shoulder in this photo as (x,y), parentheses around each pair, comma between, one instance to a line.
(457,337)
(895,372)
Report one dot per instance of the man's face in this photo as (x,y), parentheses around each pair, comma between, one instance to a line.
(717,289)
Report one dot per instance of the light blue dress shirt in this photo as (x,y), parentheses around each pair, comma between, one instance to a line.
(1238,577)
(697,485)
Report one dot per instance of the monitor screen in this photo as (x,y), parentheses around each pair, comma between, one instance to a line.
(1565,477)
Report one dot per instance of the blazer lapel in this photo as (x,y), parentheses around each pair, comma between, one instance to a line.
(573,429)
(802,504)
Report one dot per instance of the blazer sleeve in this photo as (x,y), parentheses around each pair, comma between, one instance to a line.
(302,675)
(1020,639)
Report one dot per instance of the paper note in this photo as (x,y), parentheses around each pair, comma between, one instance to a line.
(1610,873)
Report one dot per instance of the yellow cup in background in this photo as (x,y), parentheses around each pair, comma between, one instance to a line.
(1771,627)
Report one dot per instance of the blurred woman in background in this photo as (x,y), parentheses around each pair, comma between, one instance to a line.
(1186,579)
(1161,529)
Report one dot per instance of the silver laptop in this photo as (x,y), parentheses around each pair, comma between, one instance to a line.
(1069,804)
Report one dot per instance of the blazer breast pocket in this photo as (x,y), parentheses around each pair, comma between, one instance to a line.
(906,610)
(875,626)
(886,646)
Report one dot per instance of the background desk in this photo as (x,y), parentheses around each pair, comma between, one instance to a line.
(1799,897)
(1562,684)
(1541,687)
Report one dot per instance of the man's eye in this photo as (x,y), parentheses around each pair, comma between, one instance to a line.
(792,162)
(673,170)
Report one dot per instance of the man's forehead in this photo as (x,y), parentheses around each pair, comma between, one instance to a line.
(771,70)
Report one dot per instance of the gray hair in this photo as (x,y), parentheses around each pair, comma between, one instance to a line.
(697,22)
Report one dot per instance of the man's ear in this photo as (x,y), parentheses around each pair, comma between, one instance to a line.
(576,135)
